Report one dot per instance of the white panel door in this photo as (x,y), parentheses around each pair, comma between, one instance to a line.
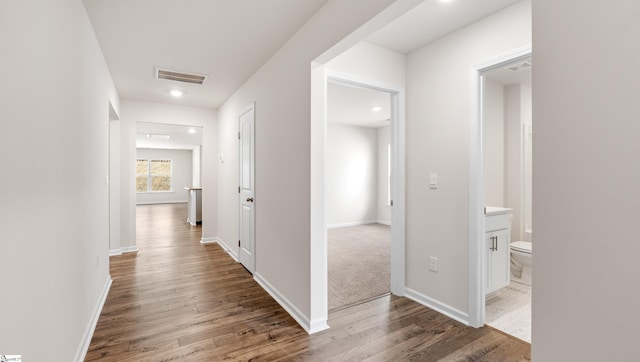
(247,182)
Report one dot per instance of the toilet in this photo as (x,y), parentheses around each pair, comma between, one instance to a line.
(521,261)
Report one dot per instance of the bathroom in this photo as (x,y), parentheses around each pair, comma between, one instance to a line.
(508,130)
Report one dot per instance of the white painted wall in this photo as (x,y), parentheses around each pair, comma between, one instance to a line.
(517,116)
(372,62)
(352,175)
(438,121)
(54,214)
(127,180)
(494,144)
(586,177)
(383,207)
(181,164)
(138,111)
(196,166)
(114,186)
(282,200)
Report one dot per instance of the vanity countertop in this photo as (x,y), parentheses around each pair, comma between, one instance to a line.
(492,210)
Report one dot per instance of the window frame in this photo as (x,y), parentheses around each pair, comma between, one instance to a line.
(150,176)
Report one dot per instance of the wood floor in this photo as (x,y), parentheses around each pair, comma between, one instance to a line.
(178,300)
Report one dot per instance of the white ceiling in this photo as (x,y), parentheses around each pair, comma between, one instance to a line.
(350,105)
(229,40)
(179,136)
(225,40)
(433,19)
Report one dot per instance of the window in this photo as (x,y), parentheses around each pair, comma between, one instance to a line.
(153,175)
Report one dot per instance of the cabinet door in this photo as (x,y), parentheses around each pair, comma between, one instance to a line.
(498,259)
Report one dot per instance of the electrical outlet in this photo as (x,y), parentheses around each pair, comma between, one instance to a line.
(433,264)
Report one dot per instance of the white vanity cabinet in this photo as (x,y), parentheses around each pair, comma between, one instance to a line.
(498,247)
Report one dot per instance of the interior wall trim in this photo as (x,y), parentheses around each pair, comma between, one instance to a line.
(91,327)
(354,223)
(438,306)
(231,251)
(294,312)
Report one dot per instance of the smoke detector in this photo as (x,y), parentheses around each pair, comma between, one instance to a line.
(180,77)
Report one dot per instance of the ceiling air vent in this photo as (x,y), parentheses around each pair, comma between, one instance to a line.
(519,66)
(180,77)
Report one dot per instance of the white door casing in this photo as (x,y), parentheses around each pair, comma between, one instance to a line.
(477,254)
(319,281)
(246,252)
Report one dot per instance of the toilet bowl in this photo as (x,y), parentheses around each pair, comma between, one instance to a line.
(521,261)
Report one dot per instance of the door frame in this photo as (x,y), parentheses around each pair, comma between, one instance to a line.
(319,278)
(251,107)
(477,259)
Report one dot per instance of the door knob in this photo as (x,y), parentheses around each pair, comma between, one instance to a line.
(249,199)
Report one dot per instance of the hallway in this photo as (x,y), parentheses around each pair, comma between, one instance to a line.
(177,299)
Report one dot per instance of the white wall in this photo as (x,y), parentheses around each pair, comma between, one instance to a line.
(280,90)
(438,123)
(371,62)
(383,207)
(586,177)
(54,214)
(115,227)
(138,111)
(196,166)
(517,116)
(181,164)
(494,144)
(352,175)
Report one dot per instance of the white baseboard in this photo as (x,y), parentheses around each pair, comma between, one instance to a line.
(162,202)
(228,249)
(91,327)
(290,308)
(440,307)
(115,252)
(210,240)
(126,249)
(355,223)
(129,249)
(383,222)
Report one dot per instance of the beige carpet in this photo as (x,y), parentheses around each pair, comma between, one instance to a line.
(359,264)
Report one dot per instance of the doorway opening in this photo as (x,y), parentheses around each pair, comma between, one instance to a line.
(168,164)
(358,175)
(501,195)
(321,79)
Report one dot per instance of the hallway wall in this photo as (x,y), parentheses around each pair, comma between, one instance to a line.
(438,123)
(585,180)
(280,90)
(54,216)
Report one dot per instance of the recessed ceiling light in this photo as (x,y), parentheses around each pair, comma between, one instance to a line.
(192,131)
(376,108)
(176,93)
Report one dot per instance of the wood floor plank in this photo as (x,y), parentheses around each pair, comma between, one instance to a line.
(178,300)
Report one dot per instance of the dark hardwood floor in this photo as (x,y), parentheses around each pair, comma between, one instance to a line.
(176,299)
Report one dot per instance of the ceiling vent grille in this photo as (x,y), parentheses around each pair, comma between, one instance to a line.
(519,66)
(180,77)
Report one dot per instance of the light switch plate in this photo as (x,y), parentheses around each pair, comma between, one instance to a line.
(433,181)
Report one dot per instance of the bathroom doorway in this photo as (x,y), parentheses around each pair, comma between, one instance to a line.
(507,135)
(500,193)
